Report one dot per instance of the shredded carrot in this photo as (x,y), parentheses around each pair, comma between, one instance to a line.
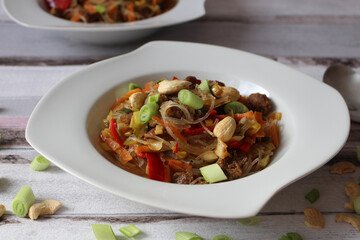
(221,117)
(76,17)
(141,149)
(177,165)
(131,15)
(248,115)
(258,118)
(167,173)
(273,134)
(123,154)
(111,9)
(148,86)
(173,129)
(125,97)
(90,8)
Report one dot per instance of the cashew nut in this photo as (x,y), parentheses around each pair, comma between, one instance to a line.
(221,149)
(225,129)
(314,218)
(47,207)
(2,210)
(231,92)
(137,100)
(352,190)
(174,86)
(342,167)
(349,218)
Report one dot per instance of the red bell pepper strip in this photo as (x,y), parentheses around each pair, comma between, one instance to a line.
(114,133)
(196,131)
(156,167)
(175,78)
(62,4)
(240,146)
(176,148)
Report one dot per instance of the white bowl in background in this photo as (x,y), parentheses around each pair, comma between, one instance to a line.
(65,124)
(33,14)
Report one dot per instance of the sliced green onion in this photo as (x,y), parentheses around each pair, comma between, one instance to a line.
(125,110)
(39,163)
(187,236)
(291,236)
(148,111)
(154,98)
(213,173)
(190,99)
(251,221)
(130,231)
(100,9)
(357,152)
(133,86)
(357,205)
(221,237)
(235,107)
(23,201)
(313,195)
(204,85)
(103,232)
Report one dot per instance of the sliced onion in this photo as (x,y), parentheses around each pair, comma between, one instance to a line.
(168,144)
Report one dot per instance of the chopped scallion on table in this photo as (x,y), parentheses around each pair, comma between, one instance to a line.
(130,231)
(39,163)
(187,236)
(204,85)
(313,195)
(190,99)
(251,221)
(357,205)
(291,236)
(221,237)
(133,86)
(148,111)
(23,201)
(103,232)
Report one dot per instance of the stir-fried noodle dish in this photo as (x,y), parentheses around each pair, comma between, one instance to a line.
(190,131)
(108,11)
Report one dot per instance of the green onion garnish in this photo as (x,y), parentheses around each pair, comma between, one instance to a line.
(148,111)
(125,110)
(100,9)
(154,98)
(190,99)
(39,163)
(204,85)
(133,86)
(23,201)
(130,231)
(357,205)
(313,195)
(213,173)
(187,236)
(235,107)
(357,152)
(103,232)
(291,236)
(221,237)
(251,221)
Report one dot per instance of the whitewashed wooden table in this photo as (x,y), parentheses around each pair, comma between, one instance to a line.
(308,35)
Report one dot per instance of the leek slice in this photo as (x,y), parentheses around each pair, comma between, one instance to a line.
(103,232)
(39,163)
(130,231)
(23,201)
(213,173)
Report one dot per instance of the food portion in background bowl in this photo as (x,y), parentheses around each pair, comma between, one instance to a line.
(191,131)
(108,11)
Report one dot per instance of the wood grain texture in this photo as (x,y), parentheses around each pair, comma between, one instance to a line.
(164,228)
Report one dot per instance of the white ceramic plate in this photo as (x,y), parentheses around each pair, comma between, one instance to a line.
(32,13)
(65,125)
